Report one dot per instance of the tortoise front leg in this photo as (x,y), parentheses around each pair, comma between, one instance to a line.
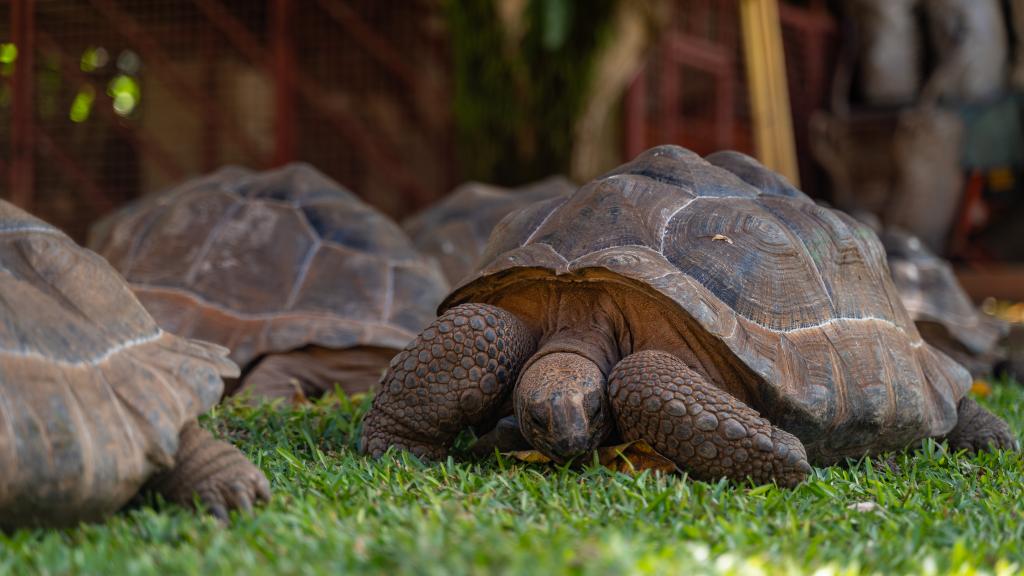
(455,374)
(705,431)
(506,436)
(214,471)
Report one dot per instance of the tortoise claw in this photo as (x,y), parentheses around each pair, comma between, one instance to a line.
(213,472)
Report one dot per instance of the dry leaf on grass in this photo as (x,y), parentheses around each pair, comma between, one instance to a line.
(981,388)
(631,457)
(634,457)
(298,396)
(529,456)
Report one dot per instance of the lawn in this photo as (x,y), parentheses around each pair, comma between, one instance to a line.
(335,511)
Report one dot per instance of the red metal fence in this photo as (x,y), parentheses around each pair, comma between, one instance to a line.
(104,99)
(693,89)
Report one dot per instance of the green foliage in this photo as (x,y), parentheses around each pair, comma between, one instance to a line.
(516,99)
(337,512)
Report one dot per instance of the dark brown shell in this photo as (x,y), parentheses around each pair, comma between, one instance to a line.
(270,262)
(455,230)
(800,294)
(93,394)
(937,303)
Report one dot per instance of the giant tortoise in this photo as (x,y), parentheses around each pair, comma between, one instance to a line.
(943,312)
(307,285)
(96,401)
(455,230)
(704,306)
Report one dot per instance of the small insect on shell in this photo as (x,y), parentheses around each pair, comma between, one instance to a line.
(721,237)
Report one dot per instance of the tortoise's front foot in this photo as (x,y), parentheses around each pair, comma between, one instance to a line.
(382,431)
(660,400)
(505,437)
(455,374)
(978,429)
(214,471)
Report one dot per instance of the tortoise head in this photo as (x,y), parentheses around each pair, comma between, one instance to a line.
(562,406)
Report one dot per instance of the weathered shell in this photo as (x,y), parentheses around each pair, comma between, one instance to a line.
(938,304)
(455,230)
(93,394)
(270,262)
(800,294)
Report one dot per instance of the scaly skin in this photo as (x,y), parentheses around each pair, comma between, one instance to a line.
(562,406)
(658,399)
(977,429)
(214,471)
(455,374)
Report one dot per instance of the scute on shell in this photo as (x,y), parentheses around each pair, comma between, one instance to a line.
(272,261)
(455,230)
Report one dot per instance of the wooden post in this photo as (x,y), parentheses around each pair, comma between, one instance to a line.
(769,95)
(635,116)
(22,172)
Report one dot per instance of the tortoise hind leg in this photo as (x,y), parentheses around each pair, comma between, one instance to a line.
(455,374)
(658,399)
(978,429)
(313,371)
(214,471)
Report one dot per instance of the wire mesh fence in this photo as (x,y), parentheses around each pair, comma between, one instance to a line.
(126,97)
(132,96)
(693,90)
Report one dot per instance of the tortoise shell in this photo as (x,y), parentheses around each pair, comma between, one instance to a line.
(93,394)
(943,312)
(455,230)
(799,294)
(265,262)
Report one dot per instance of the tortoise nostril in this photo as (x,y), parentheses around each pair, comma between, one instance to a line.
(570,448)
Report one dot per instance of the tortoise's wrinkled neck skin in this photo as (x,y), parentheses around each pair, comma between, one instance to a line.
(561,401)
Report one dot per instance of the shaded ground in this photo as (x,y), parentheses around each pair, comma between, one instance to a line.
(336,511)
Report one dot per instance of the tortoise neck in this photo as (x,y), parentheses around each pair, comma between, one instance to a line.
(604,322)
(586,322)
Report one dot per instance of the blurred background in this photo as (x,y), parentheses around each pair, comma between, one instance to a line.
(904,112)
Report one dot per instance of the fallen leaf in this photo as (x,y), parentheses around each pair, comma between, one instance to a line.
(631,457)
(298,396)
(981,388)
(721,237)
(529,456)
(634,457)
(1016,312)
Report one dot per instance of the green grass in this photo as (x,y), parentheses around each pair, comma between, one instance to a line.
(335,511)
